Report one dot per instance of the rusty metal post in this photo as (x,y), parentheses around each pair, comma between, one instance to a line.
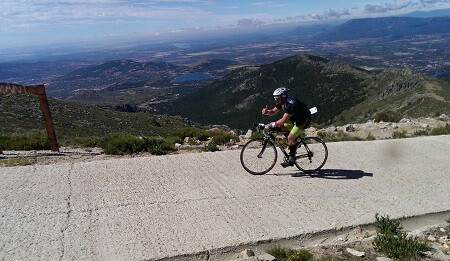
(47,118)
(40,91)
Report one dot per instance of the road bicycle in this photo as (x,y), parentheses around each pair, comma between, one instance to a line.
(259,155)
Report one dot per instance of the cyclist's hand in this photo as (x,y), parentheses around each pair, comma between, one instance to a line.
(269,126)
(265,111)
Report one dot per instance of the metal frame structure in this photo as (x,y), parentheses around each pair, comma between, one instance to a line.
(38,90)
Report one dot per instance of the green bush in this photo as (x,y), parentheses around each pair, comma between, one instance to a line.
(174,139)
(394,243)
(288,254)
(35,140)
(388,116)
(121,144)
(124,144)
(420,133)
(224,139)
(279,252)
(399,134)
(89,142)
(441,130)
(300,255)
(387,226)
(192,132)
(211,146)
(158,146)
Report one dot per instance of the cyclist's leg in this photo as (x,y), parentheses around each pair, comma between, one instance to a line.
(293,134)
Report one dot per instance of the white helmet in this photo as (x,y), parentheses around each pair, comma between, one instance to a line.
(283,92)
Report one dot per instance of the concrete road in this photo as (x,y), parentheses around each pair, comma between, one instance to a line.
(147,208)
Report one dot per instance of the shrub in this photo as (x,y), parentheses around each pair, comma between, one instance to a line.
(200,134)
(89,141)
(386,226)
(300,255)
(124,144)
(279,252)
(158,146)
(394,243)
(420,133)
(388,116)
(441,130)
(224,138)
(211,146)
(399,134)
(174,139)
(35,140)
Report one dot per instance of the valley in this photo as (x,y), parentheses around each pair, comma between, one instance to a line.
(149,78)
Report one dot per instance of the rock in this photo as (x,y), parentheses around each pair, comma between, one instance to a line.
(355,252)
(431,238)
(383,259)
(189,140)
(246,253)
(404,120)
(436,254)
(248,135)
(234,147)
(350,128)
(177,145)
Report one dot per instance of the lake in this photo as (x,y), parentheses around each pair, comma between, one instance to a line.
(192,77)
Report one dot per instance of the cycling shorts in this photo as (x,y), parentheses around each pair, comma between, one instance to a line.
(294,129)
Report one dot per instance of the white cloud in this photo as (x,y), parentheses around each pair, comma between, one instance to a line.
(37,14)
(397,5)
(250,22)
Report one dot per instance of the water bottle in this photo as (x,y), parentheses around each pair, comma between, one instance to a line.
(282,140)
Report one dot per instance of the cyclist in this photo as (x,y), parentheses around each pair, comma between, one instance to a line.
(296,116)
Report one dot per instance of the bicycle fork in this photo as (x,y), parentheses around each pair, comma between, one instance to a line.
(263,148)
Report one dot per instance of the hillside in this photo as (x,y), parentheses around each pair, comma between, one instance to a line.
(343,93)
(21,114)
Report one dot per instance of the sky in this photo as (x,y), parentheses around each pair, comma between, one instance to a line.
(42,22)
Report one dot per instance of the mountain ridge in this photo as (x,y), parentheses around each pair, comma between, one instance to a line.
(391,27)
(342,92)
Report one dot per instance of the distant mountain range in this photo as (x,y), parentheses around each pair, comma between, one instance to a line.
(386,27)
(431,13)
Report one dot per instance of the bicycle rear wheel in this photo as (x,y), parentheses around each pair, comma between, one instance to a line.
(311,154)
(258,156)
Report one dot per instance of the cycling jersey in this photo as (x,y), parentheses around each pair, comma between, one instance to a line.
(300,113)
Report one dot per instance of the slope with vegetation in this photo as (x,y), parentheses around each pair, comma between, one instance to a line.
(237,98)
(20,114)
(343,93)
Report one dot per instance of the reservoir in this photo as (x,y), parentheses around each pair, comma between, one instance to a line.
(192,77)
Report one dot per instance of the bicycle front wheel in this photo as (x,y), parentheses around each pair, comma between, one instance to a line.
(311,154)
(258,156)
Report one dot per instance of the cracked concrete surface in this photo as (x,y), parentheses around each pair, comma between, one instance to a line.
(154,207)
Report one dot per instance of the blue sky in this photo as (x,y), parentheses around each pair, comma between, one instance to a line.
(40,22)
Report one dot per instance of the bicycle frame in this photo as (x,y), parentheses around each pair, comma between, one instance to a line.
(271,135)
(305,155)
